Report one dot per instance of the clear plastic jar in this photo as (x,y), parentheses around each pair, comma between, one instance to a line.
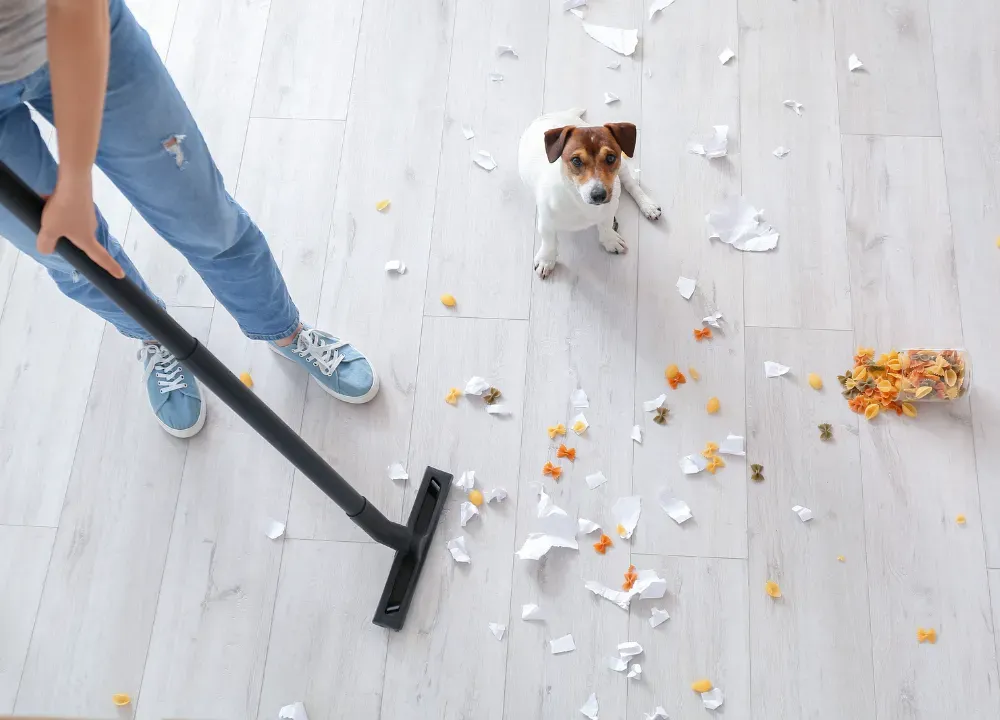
(934,374)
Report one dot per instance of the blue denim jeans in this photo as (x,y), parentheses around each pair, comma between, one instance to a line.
(152,150)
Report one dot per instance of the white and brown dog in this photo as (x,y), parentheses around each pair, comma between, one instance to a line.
(583,188)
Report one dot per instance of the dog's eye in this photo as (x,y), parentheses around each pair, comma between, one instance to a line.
(610,159)
(577,162)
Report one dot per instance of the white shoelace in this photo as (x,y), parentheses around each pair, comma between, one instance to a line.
(169,373)
(317,349)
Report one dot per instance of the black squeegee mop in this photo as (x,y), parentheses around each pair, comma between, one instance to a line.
(411,541)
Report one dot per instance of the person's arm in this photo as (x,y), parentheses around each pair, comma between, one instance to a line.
(79,39)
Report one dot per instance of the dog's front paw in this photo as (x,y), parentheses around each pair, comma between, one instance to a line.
(612,242)
(650,209)
(545,263)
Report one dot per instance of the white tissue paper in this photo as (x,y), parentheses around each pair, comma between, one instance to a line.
(804,513)
(505,49)
(295,711)
(628,650)
(578,399)
(498,494)
(583,424)
(622,41)
(712,699)
(658,5)
(853,63)
(686,286)
(586,526)
(715,320)
(590,707)
(693,464)
(468,132)
(617,664)
(635,672)
(711,146)
(274,529)
(652,405)
(596,479)
(658,714)
(658,617)
(469,511)
(498,630)
(780,151)
(796,106)
(732,445)
(497,409)
(483,159)
(531,612)
(637,434)
(555,529)
(476,386)
(610,98)
(648,586)
(467,480)
(677,509)
(458,551)
(398,472)
(738,223)
(726,55)
(773,369)
(395,266)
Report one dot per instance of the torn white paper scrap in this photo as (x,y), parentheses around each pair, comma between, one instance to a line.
(610,98)
(595,479)
(636,671)
(658,714)
(712,699)
(619,598)
(626,513)
(578,12)
(677,509)
(658,617)
(476,386)
(637,434)
(580,424)
(649,585)
(711,146)
(726,55)
(274,529)
(590,707)
(587,526)
(398,472)
(686,286)
(853,63)
(506,50)
(498,630)
(804,513)
(617,664)
(738,223)
(621,40)
(578,399)
(652,405)
(627,650)
(780,151)
(457,548)
(558,534)
(395,266)
(531,612)
(295,711)
(484,160)
(468,511)
(562,645)
(659,5)
(732,445)
(693,464)
(467,480)
(498,494)
(715,320)
(468,132)
(496,77)
(614,65)
(497,409)
(773,369)
(570,4)
(796,106)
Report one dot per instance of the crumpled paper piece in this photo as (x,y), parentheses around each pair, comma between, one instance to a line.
(295,711)
(628,650)
(467,480)
(676,508)
(617,664)
(648,586)
(610,98)
(780,152)
(483,159)
(773,369)
(458,551)
(853,63)
(658,617)
(738,223)
(658,714)
(659,5)
(712,699)
(586,526)
(590,708)
(726,55)
(556,529)
(621,40)
(733,445)
(506,49)
(711,146)
(715,320)
(692,464)
(468,132)
(498,494)
(804,513)
(796,106)
(396,266)
(626,512)
(652,405)
(468,511)
(476,386)
(635,672)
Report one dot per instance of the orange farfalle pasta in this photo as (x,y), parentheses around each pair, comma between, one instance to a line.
(926,635)
(671,371)
(553,471)
(714,463)
(602,545)
(558,429)
(565,452)
(702,334)
(630,577)
(676,380)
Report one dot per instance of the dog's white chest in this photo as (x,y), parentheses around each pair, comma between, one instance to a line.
(565,211)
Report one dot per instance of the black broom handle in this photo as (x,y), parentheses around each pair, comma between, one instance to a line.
(26,205)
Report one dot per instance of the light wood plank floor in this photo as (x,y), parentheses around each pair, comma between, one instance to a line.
(133,562)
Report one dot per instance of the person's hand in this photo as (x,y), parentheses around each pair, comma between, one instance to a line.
(69,213)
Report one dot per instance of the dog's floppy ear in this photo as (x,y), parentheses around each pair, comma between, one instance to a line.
(555,141)
(625,135)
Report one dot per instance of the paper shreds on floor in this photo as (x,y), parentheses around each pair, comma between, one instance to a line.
(853,63)
(621,40)
(484,160)
(773,369)
(732,445)
(476,386)
(531,612)
(715,320)
(636,671)
(398,472)
(562,645)
(618,597)
(557,529)
(498,409)
(295,711)
(658,714)
(495,77)
(596,479)
(711,146)
(658,617)
(505,50)
(796,106)
(804,513)
(738,223)
(626,513)
(693,464)
(686,286)
(614,65)
(648,586)
(590,707)
(610,98)
(570,4)
(677,509)
(580,424)
(712,699)
(586,526)
(652,405)
(637,434)
(659,5)
(395,266)
(498,494)
(629,650)
(726,55)
(458,551)
(467,480)
(617,664)
(468,132)
(498,630)
(780,152)
(468,511)
(274,529)
(578,399)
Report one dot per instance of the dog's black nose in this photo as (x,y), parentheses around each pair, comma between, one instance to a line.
(599,195)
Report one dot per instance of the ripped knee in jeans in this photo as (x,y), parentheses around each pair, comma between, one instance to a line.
(173,147)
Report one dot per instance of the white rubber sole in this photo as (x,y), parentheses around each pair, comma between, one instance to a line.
(360,400)
(191,431)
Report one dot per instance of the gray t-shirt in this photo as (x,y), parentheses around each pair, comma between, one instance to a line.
(22,38)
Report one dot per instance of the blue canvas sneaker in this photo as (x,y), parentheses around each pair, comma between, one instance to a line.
(338,367)
(173,392)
